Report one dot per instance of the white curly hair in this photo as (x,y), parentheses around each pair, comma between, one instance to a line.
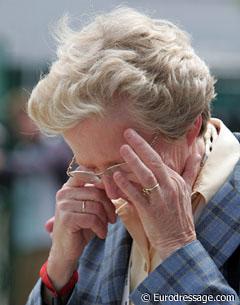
(124,53)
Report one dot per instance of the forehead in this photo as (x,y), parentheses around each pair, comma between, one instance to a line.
(96,141)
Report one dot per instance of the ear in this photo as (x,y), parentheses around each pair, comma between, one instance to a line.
(193,132)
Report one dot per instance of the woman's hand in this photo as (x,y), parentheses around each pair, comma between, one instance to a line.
(74,226)
(166,213)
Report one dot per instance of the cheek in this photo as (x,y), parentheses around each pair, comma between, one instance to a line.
(173,158)
(168,159)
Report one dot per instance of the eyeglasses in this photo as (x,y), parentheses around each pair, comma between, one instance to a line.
(89,176)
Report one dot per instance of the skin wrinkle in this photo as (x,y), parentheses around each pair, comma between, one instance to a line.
(174,159)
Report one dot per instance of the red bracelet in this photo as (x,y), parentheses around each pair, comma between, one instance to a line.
(47,282)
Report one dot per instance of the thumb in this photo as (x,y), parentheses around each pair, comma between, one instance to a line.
(191,170)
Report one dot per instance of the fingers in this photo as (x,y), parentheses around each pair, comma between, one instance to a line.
(130,190)
(97,211)
(143,173)
(78,221)
(88,193)
(90,208)
(147,155)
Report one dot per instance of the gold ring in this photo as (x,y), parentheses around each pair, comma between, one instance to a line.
(83,209)
(147,191)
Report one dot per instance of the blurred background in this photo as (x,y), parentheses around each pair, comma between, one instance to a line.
(32,167)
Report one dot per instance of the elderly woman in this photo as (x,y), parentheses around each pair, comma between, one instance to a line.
(150,213)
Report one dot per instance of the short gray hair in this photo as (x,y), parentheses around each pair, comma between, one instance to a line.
(124,53)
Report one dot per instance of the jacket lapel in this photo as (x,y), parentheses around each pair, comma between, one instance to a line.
(115,264)
(218,227)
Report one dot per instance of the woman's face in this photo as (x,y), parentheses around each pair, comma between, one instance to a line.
(96,142)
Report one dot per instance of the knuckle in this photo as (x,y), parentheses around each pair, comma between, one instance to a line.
(107,205)
(154,162)
(101,196)
(61,194)
(103,202)
(98,195)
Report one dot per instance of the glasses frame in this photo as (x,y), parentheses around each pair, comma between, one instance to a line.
(70,172)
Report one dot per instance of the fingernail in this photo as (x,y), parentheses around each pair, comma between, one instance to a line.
(129,133)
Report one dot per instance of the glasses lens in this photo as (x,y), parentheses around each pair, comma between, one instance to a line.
(83,174)
(86,177)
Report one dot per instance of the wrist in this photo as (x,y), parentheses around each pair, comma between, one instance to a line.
(170,247)
(60,271)
(51,286)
